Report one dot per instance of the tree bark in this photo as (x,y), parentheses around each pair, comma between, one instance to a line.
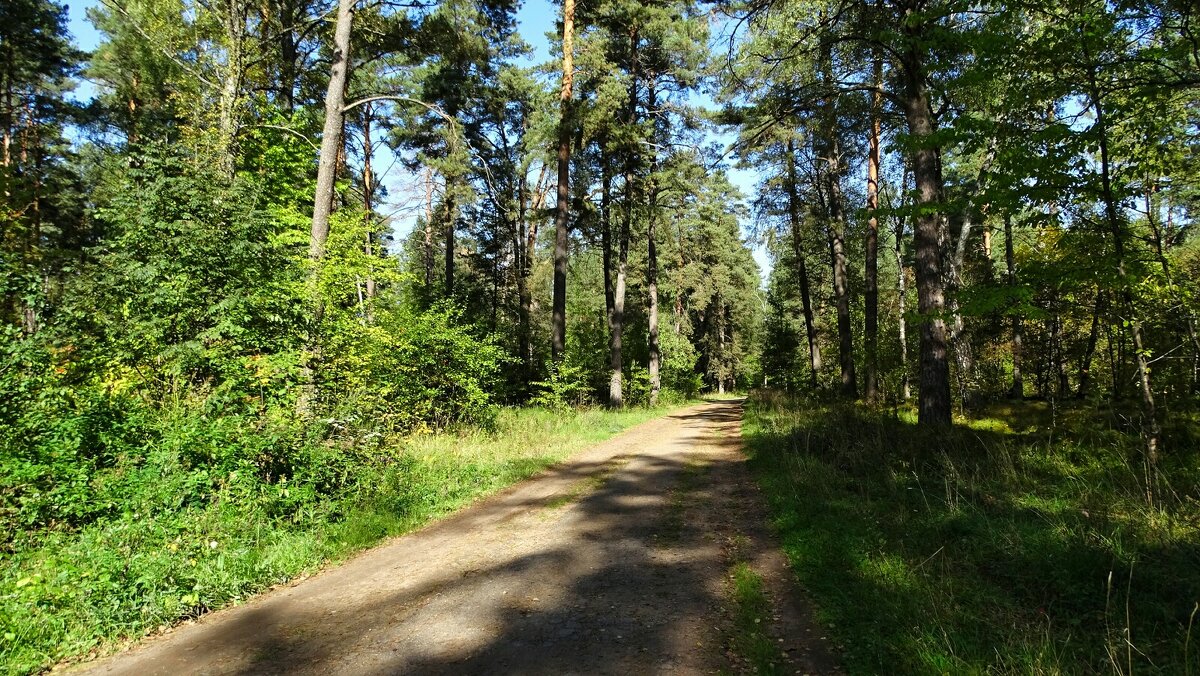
(428,243)
(606,233)
(234,21)
(902,309)
(331,137)
(331,144)
(810,328)
(368,207)
(617,325)
(1085,364)
(830,151)
(655,356)
(871,281)
(1017,391)
(449,199)
(558,328)
(1112,214)
(934,394)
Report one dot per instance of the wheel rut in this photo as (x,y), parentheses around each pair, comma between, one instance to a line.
(615,561)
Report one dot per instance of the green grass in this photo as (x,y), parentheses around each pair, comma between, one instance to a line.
(135,572)
(1011,544)
(751,610)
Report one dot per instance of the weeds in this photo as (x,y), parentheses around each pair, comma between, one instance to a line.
(146,566)
(986,548)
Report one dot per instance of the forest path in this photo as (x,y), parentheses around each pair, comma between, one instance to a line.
(616,561)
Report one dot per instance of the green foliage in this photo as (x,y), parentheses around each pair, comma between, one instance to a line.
(210,510)
(1021,542)
(567,387)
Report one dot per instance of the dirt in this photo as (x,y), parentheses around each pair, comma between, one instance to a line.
(615,561)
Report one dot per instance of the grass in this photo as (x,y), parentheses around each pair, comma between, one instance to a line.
(751,610)
(1006,545)
(87,591)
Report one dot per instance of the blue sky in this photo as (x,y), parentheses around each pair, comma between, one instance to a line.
(534,19)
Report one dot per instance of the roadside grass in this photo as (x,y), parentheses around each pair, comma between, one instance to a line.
(1021,541)
(142,570)
(751,612)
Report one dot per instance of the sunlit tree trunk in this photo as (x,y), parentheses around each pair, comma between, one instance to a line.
(235,14)
(617,325)
(810,329)
(606,233)
(368,207)
(902,309)
(871,281)
(558,321)
(428,242)
(331,144)
(652,262)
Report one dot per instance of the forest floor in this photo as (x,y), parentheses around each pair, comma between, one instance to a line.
(647,553)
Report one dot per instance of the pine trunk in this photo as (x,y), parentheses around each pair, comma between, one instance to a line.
(655,357)
(934,395)
(558,328)
(810,329)
(871,281)
(617,325)
(829,153)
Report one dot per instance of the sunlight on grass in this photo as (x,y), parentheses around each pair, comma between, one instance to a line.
(981,549)
(141,572)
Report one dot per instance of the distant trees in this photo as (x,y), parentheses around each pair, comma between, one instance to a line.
(998,121)
(923,129)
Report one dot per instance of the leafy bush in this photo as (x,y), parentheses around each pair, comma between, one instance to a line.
(566,387)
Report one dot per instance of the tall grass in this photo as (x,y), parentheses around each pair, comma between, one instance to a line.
(145,568)
(1006,545)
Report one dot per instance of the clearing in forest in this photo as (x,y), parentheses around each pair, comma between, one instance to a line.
(643,554)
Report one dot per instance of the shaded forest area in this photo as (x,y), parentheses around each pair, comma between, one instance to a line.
(214,311)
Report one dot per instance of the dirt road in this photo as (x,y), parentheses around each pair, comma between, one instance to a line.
(617,561)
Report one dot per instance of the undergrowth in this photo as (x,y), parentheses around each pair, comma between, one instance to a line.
(1001,546)
(153,559)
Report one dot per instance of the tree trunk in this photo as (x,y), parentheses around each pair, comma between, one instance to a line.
(369,207)
(1085,364)
(606,233)
(450,202)
(524,300)
(1018,383)
(331,137)
(871,281)
(617,325)
(962,347)
(934,395)
(288,54)
(331,143)
(1058,353)
(231,85)
(830,151)
(902,309)
(1112,212)
(655,357)
(558,328)
(427,248)
(810,328)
